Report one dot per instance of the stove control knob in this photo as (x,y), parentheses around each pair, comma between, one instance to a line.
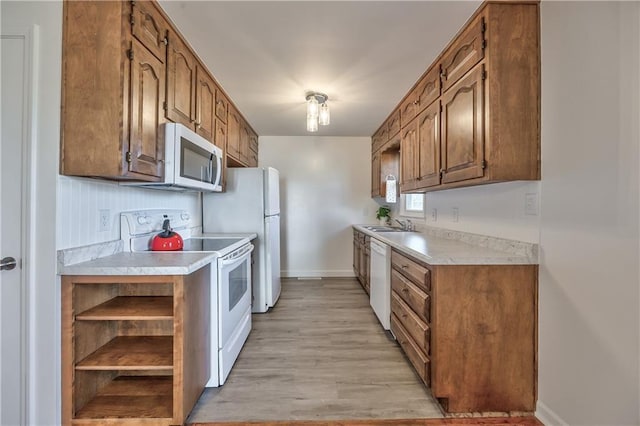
(143,220)
(185,216)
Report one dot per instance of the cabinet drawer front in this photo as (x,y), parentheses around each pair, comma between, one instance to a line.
(417,358)
(413,296)
(416,272)
(417,328)
(463,54)
(222,105)
(150,28)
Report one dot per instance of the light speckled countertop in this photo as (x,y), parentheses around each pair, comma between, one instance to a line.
(109,259)
(445,247)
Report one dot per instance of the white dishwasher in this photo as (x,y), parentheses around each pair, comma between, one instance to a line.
(380,282)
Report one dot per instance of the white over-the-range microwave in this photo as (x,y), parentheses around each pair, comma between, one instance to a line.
(191,163)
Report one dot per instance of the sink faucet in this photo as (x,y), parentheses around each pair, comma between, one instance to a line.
(406,226)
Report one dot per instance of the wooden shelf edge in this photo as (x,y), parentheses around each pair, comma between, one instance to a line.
(145,308)
(131,353)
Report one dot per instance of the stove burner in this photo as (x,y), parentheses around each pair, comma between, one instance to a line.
(208,244)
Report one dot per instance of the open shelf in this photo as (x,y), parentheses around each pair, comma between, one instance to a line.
(131,396)
(131,308)
(131,353)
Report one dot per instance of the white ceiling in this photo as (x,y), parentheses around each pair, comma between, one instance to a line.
(365,55)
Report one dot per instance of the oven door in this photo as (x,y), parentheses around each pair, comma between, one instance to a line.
(234,291)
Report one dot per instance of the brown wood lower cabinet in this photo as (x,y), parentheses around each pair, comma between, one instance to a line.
(469,331)
(361,258)
(134,348)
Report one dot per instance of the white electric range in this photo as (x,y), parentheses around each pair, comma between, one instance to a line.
(230,278)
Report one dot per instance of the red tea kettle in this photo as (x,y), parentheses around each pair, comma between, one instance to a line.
(167,240)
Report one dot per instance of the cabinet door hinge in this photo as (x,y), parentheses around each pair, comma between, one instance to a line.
(484,74)
(484,43)
(165,41)
(483,26)
(130,54)
(483,164)
(164,106)
(128,156)
(132,20)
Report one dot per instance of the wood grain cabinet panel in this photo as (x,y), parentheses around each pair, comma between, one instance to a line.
(409,150)
(463,54)
(428,89)
(150,28)
(463,128)
(416,357)
(375,174)
(146,143)
(205,101)
(222,105)
(414,296)
(429,146)
(181,82)
(393,124)
(413,270)
(416,328)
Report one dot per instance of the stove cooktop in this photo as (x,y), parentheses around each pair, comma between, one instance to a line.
(209,244)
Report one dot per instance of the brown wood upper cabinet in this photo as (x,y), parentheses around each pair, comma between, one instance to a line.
(487,84)
(125,63)
(150,28)
(181,82)
(464,53)
(112,92)
(423,94)
(393,124)
(205,100)
(409,150)
(233,133)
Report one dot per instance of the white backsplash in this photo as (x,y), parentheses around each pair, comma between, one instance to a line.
(80,201)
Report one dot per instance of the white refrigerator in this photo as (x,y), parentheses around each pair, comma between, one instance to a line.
(251,203)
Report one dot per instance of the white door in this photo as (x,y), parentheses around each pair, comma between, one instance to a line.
(15,51)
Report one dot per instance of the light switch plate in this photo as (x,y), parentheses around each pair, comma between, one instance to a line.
(531,204)
(104,220)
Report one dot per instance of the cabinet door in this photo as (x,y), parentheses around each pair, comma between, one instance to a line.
(463,128)
(393,125)
(409,156)
(181,82)
(222,105)
(428,90)
(429,146)
(205,100)
(150,28)
(408,109)
(220,139)
(464,53)
(244,143)
(147,90)
(233,133)
(375,174)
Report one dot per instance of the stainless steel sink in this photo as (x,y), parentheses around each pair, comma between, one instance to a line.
(379,228)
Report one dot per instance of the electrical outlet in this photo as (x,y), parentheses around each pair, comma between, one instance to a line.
(434,215)
(455,216)
(104,223)
(531,204)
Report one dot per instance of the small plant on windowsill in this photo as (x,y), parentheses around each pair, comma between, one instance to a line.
(383,215)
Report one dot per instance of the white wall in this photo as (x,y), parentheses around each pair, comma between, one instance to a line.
(495,209)
(324,188)
(589,279)
(80,201)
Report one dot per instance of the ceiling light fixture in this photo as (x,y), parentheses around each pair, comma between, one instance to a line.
(317,111)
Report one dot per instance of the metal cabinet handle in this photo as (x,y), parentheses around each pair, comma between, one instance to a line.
(8,263)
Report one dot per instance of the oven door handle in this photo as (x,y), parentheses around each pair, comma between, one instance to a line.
(237,256)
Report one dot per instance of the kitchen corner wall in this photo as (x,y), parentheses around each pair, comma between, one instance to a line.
(80,201)
(324,188)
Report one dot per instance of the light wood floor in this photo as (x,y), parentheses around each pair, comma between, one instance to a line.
(320,354)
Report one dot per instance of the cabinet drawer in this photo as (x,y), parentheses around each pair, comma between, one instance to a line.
(416,272)
(412,295)
(416,328)
(417,358)
(464,53)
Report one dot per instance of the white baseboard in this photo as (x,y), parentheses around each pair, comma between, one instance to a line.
(547,416)
(295,273)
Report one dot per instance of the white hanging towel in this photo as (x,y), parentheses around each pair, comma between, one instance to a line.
(391,189)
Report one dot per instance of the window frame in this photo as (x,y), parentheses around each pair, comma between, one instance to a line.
(412,213)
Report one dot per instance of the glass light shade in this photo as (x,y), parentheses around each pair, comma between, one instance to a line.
(324,118)
(312,107)
(312,123)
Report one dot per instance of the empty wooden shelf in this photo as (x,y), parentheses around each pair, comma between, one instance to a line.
(131,308)
(131,353)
